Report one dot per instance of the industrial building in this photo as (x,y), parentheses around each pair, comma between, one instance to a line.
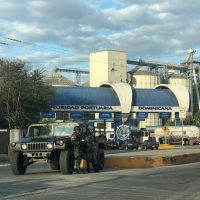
(141,97)
(58,79)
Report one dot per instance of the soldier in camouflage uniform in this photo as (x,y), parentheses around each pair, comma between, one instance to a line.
(91,148)
(76,141)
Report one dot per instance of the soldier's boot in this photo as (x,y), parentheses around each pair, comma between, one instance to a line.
(77,166)
(94,164)
(88,165)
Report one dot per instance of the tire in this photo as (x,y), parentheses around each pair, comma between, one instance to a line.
(100,158)
(16,162)
(66,162)
(54,165)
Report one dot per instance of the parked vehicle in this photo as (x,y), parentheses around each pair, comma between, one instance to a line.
(111,144)
(129,144)
(149,144)
(190,134)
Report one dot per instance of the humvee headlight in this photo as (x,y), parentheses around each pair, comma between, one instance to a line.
(49,146)
(60,142)
(24,146)
(13,144)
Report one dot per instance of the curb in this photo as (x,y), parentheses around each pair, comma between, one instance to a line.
(128,162)
(4,164)
(166,146)
(150,161)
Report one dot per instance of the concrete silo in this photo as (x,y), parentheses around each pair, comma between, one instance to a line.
(179,79)
(146,79)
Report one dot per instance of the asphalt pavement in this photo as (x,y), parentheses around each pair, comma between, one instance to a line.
(40,182)
(178,150)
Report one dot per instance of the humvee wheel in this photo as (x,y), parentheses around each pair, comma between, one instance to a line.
(66,162)
(100,158)
(16,162)
(54,165)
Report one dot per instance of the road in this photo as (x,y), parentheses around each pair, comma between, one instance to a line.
(166,183)
(163,152)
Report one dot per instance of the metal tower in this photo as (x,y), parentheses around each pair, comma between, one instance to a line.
(190,63)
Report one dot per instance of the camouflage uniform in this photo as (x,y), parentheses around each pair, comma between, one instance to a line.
(91,146)
(76,141)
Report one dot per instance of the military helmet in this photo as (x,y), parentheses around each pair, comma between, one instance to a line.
(91,128)
(77,128)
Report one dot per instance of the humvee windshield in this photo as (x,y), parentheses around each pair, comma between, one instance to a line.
(40,131)
(51,130)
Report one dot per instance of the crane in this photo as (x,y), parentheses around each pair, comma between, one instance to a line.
(191,67)
(77,72)
(155,64)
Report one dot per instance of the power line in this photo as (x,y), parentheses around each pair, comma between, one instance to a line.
(60,50)
(50,48)
(3,43)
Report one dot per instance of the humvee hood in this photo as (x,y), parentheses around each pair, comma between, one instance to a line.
(36,139)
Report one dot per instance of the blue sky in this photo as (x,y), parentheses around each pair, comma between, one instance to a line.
(62,33)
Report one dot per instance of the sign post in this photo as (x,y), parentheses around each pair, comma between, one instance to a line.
(182,116)
(166,131)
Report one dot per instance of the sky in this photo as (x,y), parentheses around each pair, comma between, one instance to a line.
(61,33)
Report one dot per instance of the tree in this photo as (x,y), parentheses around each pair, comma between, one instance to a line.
(189,120)
(169,123)
(23,95)
(197,119)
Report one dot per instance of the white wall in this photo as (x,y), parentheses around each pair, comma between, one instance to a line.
(108,66)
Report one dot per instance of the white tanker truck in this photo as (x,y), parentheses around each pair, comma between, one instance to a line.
(173,134)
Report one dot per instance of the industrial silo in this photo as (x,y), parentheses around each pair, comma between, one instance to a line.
(178,79)
(146,79)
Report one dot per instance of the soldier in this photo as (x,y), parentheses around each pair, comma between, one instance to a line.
(76,141)
(91,148)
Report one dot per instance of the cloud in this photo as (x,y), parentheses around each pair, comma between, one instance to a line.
(62,32)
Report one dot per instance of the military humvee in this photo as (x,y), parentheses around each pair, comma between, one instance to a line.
(49,142)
